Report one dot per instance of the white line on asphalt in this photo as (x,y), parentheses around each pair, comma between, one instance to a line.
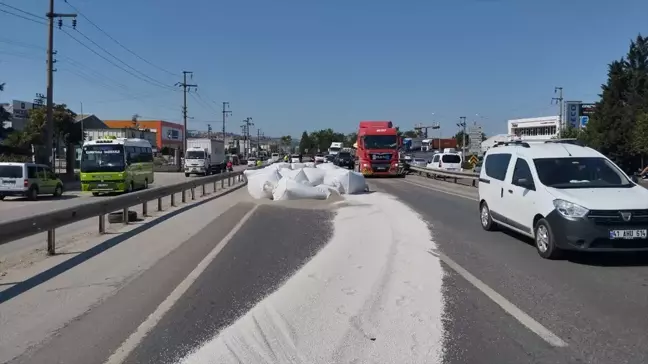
(152,320)
(505,304)
(439,190)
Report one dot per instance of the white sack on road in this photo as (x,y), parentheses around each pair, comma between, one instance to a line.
(315,176)
(373,294)
(263,183)
(289,189)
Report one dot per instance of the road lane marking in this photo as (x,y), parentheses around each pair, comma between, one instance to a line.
(439,190)
(526,320)
(152,320)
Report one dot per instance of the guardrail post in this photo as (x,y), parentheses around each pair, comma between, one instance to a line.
(229,181)
(125,215)
(51,242)
(160,202)
(223,183)
(145,208)
(102,224)
(204,192)
(184,196)
(193,193)
(215,186)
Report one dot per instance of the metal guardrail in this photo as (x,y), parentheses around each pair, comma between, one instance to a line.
(447,174)
(12,230)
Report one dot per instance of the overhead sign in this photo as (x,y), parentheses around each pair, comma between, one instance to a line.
(476,138)
(572,113)
(583,121)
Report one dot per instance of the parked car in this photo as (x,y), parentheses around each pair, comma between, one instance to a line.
(28,180)
(345,160)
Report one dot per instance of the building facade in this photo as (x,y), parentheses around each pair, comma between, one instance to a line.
(542,128)
(168,135)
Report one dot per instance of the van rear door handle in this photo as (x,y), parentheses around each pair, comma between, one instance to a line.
(510,191)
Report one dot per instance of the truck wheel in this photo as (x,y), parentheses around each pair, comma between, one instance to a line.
(186,174)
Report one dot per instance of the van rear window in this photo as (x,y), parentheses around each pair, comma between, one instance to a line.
(11,171)
(450,158)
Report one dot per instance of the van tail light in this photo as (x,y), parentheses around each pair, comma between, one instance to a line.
(26,183)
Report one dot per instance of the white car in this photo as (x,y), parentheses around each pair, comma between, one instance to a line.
(251,162)
(320,158)
(564,196)
(294,158)
(446,162)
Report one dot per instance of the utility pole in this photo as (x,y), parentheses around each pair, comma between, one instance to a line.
(49,121)
(185,88)
(559,100)
(259,133)
(209,130)
(462,124)
(226,113)
(246,133)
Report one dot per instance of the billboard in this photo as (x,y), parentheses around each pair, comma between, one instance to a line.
(572,113)
(20,109)
(171,134)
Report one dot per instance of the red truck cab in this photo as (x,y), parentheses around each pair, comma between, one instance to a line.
(377,148)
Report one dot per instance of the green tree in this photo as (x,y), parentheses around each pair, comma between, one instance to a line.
(350,139)
(624,98)
(459,138)
(305,143)
(640,137)
(410,134)
(286,141)
(4,116)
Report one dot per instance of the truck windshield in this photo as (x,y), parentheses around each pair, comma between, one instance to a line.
(334,149)
(102,158)
(380,141)
(583,172)
(196,154)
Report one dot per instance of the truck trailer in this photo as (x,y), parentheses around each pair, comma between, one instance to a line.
(204,156)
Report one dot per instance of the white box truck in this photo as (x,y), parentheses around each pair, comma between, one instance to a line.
(204,156)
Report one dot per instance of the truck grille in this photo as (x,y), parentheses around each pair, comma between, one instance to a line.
(615,217)
(381,157)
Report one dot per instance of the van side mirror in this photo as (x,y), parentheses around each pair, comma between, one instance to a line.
(634,178)
(523,182)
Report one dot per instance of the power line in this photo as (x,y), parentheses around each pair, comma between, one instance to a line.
(116,41)
(21,11)
(152,80)
(22,17)
(111,62)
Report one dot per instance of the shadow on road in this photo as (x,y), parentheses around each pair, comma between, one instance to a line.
(40,198)
(63,267)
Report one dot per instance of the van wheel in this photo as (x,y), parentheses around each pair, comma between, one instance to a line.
(95,194)
(544,241)
(2,197)
(131,187)
(146,184)
(485,218)
(32,194)
(58,191)
(186,174)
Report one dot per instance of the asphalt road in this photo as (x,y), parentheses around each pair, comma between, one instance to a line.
(273,244)
(15,208)
(595,303)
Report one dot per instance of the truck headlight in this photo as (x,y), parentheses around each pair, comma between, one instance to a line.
(569,209)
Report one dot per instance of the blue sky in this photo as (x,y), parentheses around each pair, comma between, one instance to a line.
(295,65)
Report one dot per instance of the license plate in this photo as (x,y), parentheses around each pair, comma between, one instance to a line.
(102,185)
(7,182)
(629,234)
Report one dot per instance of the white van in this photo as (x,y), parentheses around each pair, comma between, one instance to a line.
(28,180)
(446,162)
(564,196)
